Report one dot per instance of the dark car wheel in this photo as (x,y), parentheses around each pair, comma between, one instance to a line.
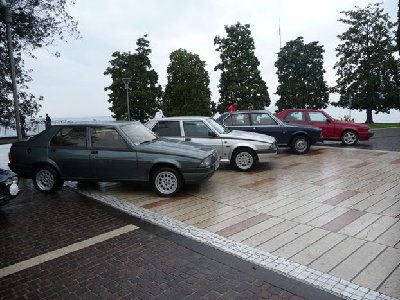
(243,160)
(167,182)
(47,180)
(349,138)
(300,144)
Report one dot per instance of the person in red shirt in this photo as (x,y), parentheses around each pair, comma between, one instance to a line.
(233,106)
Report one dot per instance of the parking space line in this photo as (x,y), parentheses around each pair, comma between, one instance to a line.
(34,261)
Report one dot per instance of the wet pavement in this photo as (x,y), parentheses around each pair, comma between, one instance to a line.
(329,218)
(67,246)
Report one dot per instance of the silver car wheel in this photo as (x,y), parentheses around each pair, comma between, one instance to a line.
(45,180)
(301,145)
(244,160)
(166,182)
(349,138)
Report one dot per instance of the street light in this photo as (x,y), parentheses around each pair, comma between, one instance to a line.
(12,67)
(126,82)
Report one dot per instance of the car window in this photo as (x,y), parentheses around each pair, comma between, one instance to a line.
(167,128)
(240,119)
(70,137)
(195,129)
(262,119)
(107,139)
(295,116)
(317,117)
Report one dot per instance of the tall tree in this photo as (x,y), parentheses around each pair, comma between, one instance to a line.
(187,91)
(144,90)
(301,76)
(35,24)
(240,78)
(367,71)
(398,28)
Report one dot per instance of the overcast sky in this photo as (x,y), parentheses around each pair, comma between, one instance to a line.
(73,85)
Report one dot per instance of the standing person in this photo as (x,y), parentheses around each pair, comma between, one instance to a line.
(48,121)
(233,106)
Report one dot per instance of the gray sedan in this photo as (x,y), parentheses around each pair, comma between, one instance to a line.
(125,151)
(239,148)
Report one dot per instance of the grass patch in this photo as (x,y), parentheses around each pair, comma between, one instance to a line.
(383,125)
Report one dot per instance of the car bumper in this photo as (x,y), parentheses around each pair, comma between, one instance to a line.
(266,156)
(315,140)
(22,170)
(363,136)
(199,175)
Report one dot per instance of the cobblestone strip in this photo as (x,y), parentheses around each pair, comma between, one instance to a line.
(327,282)
(34,261)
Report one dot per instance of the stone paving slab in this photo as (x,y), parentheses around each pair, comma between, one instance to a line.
(309,192)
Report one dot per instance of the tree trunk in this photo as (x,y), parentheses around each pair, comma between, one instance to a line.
(369,116)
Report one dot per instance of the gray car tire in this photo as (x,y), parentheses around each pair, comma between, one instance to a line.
(300,144)
(243,159)
(47,180)
(167,182)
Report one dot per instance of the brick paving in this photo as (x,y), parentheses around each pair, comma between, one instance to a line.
(147,263)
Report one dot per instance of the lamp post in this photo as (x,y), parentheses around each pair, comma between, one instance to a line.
(126,82)
(12,67)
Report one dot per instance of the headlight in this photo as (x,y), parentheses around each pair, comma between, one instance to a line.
(207,161)
(12,180)
(273,146)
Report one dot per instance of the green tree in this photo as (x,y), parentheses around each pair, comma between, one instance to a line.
(240,78)
(398,28)
(367,71)
(144,90)
(301,76)
(35,24)
(187,91)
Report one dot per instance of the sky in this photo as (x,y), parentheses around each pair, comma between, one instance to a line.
(73,84)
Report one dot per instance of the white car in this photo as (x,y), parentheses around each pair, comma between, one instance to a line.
(243,150)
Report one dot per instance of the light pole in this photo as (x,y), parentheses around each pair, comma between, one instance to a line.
(126,82)
(12,67)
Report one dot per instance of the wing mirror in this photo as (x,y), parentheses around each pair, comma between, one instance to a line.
(212,134)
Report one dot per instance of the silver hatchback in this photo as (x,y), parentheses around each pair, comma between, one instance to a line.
(243,150)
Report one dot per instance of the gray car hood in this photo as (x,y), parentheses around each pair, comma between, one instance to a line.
(181,148)
(248,136)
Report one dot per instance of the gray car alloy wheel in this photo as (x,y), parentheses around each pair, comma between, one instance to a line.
(244,160)
(300,144)
(166,182)
(45,180)
(349,137)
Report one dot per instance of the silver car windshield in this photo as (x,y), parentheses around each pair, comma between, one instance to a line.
(217,127)
(138,133)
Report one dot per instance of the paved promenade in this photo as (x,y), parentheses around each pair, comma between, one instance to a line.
(334,211)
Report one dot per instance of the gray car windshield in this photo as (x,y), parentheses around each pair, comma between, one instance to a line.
(217,127)
(138,133)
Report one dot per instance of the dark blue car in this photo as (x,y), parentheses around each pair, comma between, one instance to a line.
(298,138)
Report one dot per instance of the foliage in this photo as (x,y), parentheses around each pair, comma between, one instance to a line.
(301,76)
(35,24)
(144,90)
(187,91)
(367,71)
(240,78)
(398,28)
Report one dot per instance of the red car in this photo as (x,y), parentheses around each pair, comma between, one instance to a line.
(332,130)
